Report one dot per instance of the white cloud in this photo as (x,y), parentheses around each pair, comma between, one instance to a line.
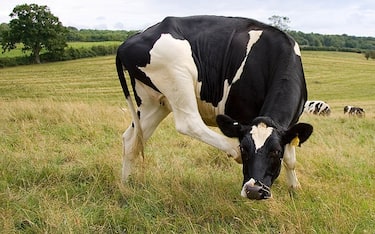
(320,16)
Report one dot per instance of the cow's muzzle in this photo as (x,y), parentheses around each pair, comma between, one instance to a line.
(256,190)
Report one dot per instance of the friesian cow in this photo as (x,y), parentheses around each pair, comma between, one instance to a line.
(354,111)
(239,74)
(317,108)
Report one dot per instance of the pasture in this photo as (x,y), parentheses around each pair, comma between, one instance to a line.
(60,150)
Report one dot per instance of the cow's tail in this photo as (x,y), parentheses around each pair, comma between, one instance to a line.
(137,146)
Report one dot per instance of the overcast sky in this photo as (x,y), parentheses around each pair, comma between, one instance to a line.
(355,17)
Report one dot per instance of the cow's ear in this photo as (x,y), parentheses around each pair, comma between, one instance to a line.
(297,134)
(229,126)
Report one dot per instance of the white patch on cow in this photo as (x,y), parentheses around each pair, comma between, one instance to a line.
(221,104)
(296,49)
(260,134)
(254,37)
(172,53)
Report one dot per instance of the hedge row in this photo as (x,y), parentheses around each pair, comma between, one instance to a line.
(370,54)
(100,50)
(321,48)
(69,53)
(15,61)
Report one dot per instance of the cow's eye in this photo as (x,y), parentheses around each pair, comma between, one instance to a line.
(242,149)
(245,153)
(275,153)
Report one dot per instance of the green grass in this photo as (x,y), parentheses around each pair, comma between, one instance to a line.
(88,80)
(339,76)
(60,150)
(17,52)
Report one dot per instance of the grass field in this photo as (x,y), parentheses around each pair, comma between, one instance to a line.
(60,150)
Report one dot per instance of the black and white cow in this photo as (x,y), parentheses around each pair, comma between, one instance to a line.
(354,111)
(317,108)
(236,73)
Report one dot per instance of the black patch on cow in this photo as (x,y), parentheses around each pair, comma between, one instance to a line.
(272,83)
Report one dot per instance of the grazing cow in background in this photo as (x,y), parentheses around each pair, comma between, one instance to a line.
(239,74)
(317,108)
(354,111)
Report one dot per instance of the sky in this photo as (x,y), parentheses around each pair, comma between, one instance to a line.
(355,17)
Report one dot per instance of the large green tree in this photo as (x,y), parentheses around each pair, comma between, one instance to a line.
(36,28)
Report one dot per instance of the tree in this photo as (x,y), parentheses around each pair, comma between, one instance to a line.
(280,22)
(3,27)
(37,28)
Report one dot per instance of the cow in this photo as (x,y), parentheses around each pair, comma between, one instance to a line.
(239,74)
(354,111)
(317,108)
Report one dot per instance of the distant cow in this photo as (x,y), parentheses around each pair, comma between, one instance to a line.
(239,74)
(354,111)
(317,108)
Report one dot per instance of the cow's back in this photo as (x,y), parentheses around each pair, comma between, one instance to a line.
(219,47)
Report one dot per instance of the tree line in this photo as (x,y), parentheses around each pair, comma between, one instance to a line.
(315,41)
(40,32)
(307,41)
(91,35)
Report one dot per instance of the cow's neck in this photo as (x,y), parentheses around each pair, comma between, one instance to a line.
(284,111)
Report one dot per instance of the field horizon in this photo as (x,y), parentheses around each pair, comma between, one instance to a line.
(60,147)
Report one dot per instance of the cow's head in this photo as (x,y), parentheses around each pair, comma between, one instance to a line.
(262,148)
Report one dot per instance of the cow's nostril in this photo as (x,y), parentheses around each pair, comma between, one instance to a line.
(258,191)
(254,192)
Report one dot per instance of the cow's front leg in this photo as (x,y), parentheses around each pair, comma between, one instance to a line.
(192,125)
(289,162)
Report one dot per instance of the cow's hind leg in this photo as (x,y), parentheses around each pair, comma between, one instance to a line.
(151,112)
(132,146)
